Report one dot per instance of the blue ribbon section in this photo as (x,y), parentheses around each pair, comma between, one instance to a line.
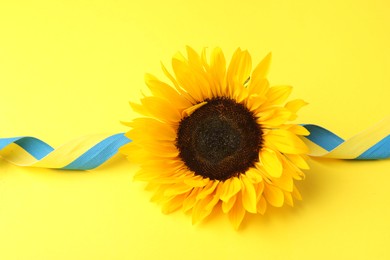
(98,154)
(37,148)
(380,150)
(323,137)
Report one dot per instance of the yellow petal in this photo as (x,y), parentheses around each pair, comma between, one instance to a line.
(248,194)
(163,90)
(218,70)
(294,107)
(273,195)
(190,80)
(143,175)
(286,142)
(174,204)
(134,152)
(258,83)
(176,189)
(196,65)
(262,206)
(204,207)
(230,187)
(177,86)
(163,165)
(161,109)
(227,205)
(148,128)
(237,212)
(204,59)
(290,167)
(208,189)
(288,199)
(259,166)
(170,177)
(259,190)
(216,198)
(162,150)
(196,181)
(254,175)
(271,163)
(149,136)
(279,117)
(170,77)
(240,94)
(278,94)
(158,196)
(261,70)
(258,86)
(296,194)
(193,57)
(298,130)
(146,173)
(255,101)
(200,211)
(264,113)
(239,70)
(192,109)
(285,182)
(190,200)
(151,186)
(139,109)
(298,161)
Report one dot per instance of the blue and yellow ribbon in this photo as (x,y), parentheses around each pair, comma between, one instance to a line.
(92,151)
(373,143)
(84,153)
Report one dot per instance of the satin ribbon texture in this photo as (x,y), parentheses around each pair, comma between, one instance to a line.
(89,152)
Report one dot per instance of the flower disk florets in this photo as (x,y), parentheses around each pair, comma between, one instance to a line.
(219,140)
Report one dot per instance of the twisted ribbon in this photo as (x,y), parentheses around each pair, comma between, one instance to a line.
(81,154)
(91,151)
(373,143)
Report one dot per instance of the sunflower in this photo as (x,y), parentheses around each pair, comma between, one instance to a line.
(217,138)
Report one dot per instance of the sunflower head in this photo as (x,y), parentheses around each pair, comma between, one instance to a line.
(218,137)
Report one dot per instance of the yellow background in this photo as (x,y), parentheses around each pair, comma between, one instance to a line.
(68,68)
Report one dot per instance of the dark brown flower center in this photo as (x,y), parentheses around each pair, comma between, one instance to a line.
(219,140)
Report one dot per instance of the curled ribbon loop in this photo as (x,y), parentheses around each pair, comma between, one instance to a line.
(92,151)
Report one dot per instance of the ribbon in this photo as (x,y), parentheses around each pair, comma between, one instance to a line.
(373,143)
(85,153)
(89,152)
